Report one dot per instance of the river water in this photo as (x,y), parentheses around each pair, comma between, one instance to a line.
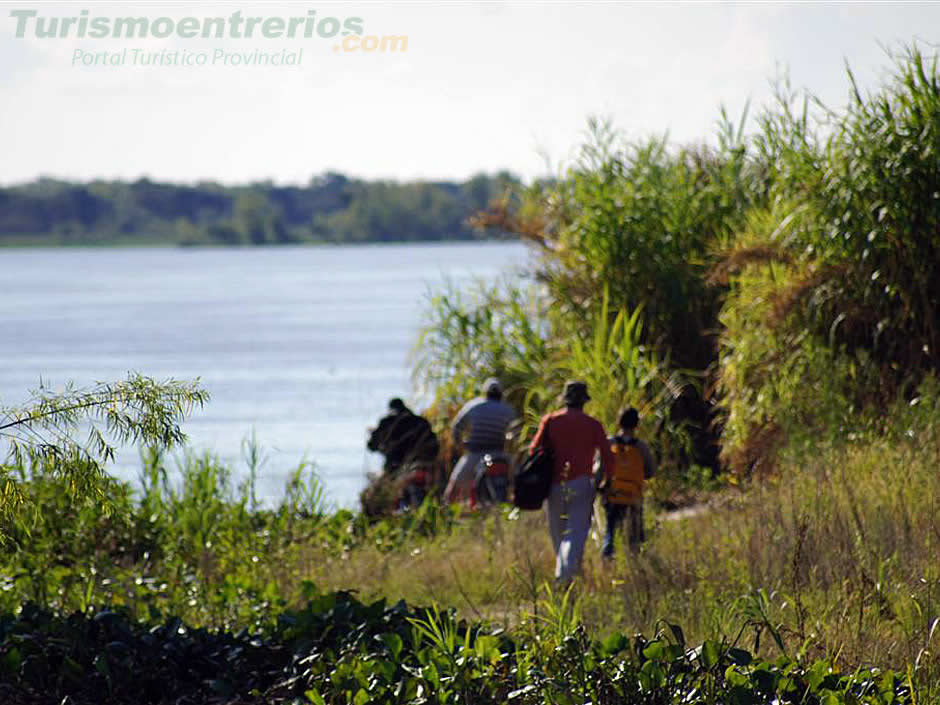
(302,346)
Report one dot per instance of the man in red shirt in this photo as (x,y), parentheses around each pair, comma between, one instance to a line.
(573,437)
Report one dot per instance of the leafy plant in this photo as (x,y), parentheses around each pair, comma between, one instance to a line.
(513,334)
(338,649)
(833,303)
(41,434)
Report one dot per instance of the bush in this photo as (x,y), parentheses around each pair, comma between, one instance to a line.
(512,333)
(834,295)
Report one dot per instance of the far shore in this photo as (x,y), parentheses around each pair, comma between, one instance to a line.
(42,242)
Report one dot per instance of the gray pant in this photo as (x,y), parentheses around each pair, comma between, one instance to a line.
(463,476)
(569,509)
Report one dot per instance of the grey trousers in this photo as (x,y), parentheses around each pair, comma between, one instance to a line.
(569,509)
(462,477)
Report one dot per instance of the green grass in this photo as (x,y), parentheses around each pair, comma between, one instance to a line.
(338,649)
(833,558)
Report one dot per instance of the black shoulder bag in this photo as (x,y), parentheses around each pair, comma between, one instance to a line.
(533,482)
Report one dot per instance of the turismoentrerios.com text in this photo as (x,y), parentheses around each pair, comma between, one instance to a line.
(30,23)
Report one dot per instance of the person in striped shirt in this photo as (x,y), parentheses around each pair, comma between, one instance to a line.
(481,424)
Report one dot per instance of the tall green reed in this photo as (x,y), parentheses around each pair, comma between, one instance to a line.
(833,296)
(513,333)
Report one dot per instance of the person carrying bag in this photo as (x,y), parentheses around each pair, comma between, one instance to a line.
(573,438)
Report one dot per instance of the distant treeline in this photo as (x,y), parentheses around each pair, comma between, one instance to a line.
(331,208)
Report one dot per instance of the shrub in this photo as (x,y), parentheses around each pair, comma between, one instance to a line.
(834,294)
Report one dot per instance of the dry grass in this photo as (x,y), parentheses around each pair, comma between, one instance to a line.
(489,566)
(739,258)
(757,455)
(534,228)
(844,546)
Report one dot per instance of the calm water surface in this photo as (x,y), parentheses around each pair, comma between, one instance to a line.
(304,346)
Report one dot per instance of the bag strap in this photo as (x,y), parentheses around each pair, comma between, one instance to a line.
(545,442)
(621,441)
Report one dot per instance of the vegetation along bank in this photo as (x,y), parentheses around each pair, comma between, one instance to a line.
(770,305)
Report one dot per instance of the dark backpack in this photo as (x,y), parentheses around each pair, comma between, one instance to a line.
(533,482)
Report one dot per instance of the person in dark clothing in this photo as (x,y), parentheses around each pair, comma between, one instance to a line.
(403,437)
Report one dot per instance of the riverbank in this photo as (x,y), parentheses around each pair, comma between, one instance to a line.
(832,559)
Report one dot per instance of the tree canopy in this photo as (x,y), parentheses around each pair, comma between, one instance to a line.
(330,208)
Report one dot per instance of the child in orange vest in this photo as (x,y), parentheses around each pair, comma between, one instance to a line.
(623,493)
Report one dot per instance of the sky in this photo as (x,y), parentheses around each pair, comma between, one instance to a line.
(480,87)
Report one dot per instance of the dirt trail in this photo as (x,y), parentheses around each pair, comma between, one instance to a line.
(686,512)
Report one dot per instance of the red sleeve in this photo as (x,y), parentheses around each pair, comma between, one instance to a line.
(607,458)
(538,435)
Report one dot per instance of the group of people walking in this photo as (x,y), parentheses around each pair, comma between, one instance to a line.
(575,439)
